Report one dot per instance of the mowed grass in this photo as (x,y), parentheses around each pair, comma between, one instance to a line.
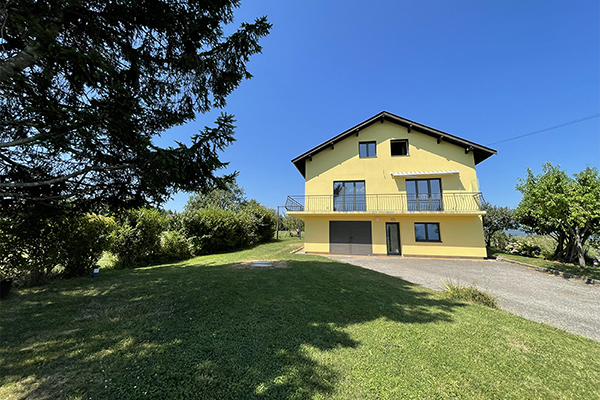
(589,272)
(308,328)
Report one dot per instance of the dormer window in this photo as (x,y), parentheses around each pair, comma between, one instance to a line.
(367,149)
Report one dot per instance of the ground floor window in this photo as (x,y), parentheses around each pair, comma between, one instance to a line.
(427,232)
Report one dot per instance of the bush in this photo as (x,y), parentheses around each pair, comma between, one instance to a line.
(137,239)
(84,238)
(259,223)
(174,246)
(524,248)
(35,243)
(469,294)
(29,245)
(500,240)
(212,230)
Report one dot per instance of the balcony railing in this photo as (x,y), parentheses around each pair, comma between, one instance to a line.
(463,202)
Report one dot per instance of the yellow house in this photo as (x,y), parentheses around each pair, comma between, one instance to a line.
(391,186)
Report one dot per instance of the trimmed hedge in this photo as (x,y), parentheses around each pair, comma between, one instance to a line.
(137,240)
(37,245)
(84,239)
(174,246)
(213,230)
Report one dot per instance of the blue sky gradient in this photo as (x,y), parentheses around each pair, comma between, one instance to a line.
(481,70)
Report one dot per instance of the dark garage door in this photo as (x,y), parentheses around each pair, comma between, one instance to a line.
(350,237)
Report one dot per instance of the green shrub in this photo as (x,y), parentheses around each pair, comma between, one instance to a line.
(525,248)
(174,222)
(469,294)
(137,239)
(500,240)
(13,259)
(259,223)
(83,240)
(174,246)
(541,246)
(546,244)
(40,243)
(213,230)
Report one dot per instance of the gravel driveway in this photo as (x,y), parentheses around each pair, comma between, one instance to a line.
(566,304)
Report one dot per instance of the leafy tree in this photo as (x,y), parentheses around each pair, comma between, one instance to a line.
(86,86)
(291,224)
(496,219)
(229,197)
(566,208)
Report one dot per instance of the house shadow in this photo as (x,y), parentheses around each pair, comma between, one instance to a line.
(186,331)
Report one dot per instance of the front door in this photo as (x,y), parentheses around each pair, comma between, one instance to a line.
(392,233)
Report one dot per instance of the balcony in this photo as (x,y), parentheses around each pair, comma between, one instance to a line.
(433,203)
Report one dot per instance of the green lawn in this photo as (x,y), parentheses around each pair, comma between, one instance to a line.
(539,262)
(308,328)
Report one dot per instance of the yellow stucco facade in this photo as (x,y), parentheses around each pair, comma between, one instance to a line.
(461,236)
(460,229)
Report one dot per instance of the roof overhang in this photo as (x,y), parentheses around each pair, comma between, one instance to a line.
(416,174)
(480,152)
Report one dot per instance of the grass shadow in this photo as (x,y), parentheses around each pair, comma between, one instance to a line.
(190,331)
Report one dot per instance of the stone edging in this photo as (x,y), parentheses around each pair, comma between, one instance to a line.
(297,250)
(568,275)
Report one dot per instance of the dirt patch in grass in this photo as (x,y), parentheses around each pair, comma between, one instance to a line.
(260,264)
(521,346)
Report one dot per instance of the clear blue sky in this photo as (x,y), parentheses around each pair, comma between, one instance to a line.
(482,70)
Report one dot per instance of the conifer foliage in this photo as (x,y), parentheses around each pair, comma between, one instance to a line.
(85,86)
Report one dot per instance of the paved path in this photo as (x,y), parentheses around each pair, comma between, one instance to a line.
(567,304)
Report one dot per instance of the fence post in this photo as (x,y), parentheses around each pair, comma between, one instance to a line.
(277,234)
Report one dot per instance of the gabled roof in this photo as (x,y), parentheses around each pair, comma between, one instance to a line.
(479,152)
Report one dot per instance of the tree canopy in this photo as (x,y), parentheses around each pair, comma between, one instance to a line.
(229,197)
(565,207)
(85,88)
(496,219)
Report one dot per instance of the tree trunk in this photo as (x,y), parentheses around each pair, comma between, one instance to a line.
(570,251)
(488,239)
(578,248)
(560,245)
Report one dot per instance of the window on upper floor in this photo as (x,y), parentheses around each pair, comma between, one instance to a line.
(349,196)
(424,195)
(367,149)
(399,147)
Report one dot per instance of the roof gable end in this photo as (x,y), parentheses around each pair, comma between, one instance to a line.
(480,152)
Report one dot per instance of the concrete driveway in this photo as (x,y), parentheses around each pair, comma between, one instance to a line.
(567,304)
